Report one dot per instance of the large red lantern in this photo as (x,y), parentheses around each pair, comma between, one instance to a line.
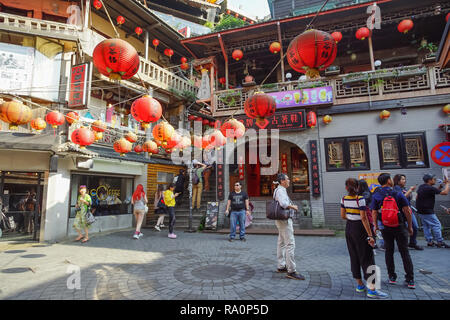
(217,139)
(130,136)
(237,54)
(183,60)
(163,132)
(145,110)
(98,126)
(138,30)
(275,47)
(120,20)
(15,113)
(38,124)
(184,66)
(405,25)
(138,149)
(55,119)
(337,36)
(97,4)
(311,51)
(155,42)
(122,146)
(260,106)
(173,142)
(72,117)
(83,137)
(151,147)
(233,128)
(116,59)
(311,119)
(362,33)
(168,52)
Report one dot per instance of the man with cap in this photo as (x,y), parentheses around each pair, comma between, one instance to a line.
(425,207)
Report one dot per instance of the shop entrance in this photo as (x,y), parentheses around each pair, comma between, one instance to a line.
(20,205)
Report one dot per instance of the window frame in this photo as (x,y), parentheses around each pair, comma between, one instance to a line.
(346,153)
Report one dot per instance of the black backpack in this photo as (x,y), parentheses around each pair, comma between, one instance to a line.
(195,179)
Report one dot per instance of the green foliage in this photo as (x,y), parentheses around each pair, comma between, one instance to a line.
(231,97)
(201,226)
(209,25)
(185,94)
(228,22)
(431,47)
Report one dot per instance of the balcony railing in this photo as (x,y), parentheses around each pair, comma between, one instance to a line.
(385,84)
(14,23)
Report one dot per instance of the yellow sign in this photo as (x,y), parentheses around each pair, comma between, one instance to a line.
(371,179)
(102,192)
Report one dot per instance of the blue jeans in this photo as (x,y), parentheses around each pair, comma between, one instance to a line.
(415,226)
(431,225)
(236,216)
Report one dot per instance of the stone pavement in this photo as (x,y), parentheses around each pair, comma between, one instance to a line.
(202,266)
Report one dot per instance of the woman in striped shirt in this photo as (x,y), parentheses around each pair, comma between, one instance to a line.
(360,239)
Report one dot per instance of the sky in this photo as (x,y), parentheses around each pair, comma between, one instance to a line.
(250,8)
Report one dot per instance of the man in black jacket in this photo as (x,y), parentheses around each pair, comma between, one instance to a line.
(179,180)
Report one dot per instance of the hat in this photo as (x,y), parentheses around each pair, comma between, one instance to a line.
(195,162)
(428,177)
(82,187)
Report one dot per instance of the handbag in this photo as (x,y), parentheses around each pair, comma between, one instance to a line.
(146,209)
(90,219)
(275,212)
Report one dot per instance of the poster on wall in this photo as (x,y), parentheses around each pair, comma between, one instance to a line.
(314,168)
(212,214)
(16,68)
(371,179)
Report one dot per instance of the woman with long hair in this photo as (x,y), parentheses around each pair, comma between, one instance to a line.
(360,238)
(159,211)
(169,200)
(139,200)
(364,191)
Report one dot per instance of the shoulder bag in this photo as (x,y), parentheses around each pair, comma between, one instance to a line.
(275,212)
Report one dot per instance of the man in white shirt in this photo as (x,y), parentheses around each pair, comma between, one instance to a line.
(286,240)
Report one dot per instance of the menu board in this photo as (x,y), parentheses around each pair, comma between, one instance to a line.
(212,214)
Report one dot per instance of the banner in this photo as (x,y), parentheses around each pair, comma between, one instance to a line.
(314,168)
(290,120)
(303,97)
(78,86)
(371,179)
(284,163)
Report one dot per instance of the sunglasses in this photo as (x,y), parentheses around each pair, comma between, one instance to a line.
(237,185)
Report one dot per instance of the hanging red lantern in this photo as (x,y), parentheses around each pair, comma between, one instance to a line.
(198,119)
(275,47)
(130,136)
(191,117)
(72,117)
(327,119)
(116,59)
(83,137)
(184,66)
(173,141)
(55,119)
(217,139)
(260,106)
(168,52)
(120,20)
(38,124)
(183,60)
(311,51)
(237,54)
(228,11)
(211,123)
(222,80)
(252,22)
(138,30)
(15,113)
(122,146)
(151,147)
(233,128)
(236,15)
(145,110)
(244,18)
(205,122)
(97,4)
(98,135)
(405,25)
(337,36)
(217,124)
(138,149)
(362,33)
(446,109)
(155,42)
(311,119)
(384,114)
(98,126)
(163,132)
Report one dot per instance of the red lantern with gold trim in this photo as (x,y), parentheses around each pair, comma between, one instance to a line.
(38,124)
(183,60)
(217,139)
(116,59)
(83,137)
(168,52)
(72,117)
(405,25)
(260,106)
(120,20)
(138,30)
(138,149)
(311,51)
(184,66)
(222,80)
(130,136)
(163,132)
(233,128)
(362,33)
(237,54)
(97,4)
(151,147)
(15,113)
(311,119)
(337,36)
(155,42)
(98,126)
(275,47)
(122,146)
(145,110)
(191,117)
(384,114)
(55,119)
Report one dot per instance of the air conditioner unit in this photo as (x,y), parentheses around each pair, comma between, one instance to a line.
(83,163)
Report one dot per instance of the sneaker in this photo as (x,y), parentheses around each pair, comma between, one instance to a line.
(243,239)
(376,294)
(295,276)
(136,236)
(172,236)
(157,228)
(161,226)
(410,284)
(431,244)
(360,289)
(392,280)
(141,234)
(442,245)
(415,246)
(230,239)
(282,270)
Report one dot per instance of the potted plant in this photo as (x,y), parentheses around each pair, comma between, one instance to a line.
(355,78)
(408,72)
(431,55)
(230,98)
(383,74)
(332,70)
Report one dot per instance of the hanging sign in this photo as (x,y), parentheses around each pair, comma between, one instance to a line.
(283,121)
(212,214)
(303,97)
(314,168)
(78,86)
(241,172)
(284,163)
(220,176)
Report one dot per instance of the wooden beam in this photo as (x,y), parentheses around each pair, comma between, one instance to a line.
(226,60)
(281,51)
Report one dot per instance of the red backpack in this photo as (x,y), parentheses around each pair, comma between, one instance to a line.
(389,212)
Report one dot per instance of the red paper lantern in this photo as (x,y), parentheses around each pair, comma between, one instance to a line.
(116,59)
(15,113)
(260,106)
(384,114)
(168,52)
(405,25)
(98,126)
(362,33)
(55,119)
(184,66)
(72,117)
(205,122)
(222,80)
(130,136)
(122,146)
(120,20)
(233,128)
(446,109)
(211,123)
(173,142)
(311,119)
(236,15)
(138,30)
(244,18)
(191,117)
(155,42)
(183,60)
(38,124)
(252,22)
(97,4)
(275,47)
(151,147)
(138,149)
(198,119)
(337,36)
(237,54)
(447,16)
(145,110)
(228,11)
(83,137)
(217,139)
(311,51)
(163,132)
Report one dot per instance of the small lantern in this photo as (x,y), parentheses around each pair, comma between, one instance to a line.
(362,33)
(237,54)
(384,114)
(311,119)
(275,47)
(337,36)
(120,20)
(155,42)
(97,4)
(405,25)
(138,31)
(72,117)
(446,109)
(327,119)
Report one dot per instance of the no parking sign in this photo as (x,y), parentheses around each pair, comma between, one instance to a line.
(441,154)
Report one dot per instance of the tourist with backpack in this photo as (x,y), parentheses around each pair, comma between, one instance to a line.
(391,208)
(197,184)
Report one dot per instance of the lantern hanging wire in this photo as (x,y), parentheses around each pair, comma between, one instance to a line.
(110,20)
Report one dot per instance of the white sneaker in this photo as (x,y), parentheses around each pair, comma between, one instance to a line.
(157,228)
(162,226)
(141,234)
(136,236)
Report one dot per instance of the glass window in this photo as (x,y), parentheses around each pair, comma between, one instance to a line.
(390,151)
(299,166)
(335,154)
(110,195)
(403,151)
(357,154)
(347,153)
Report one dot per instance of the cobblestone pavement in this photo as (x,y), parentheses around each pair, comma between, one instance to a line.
(203,266)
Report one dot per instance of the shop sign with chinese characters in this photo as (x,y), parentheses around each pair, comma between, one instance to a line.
(78,88)
(290,120)
(220,176)
(284,163)
(314,167)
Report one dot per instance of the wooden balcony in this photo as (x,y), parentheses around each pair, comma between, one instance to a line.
(384,84)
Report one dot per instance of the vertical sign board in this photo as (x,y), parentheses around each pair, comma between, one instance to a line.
(78,86)
(220,176)
(284,163)
(314,168)
(212,214)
